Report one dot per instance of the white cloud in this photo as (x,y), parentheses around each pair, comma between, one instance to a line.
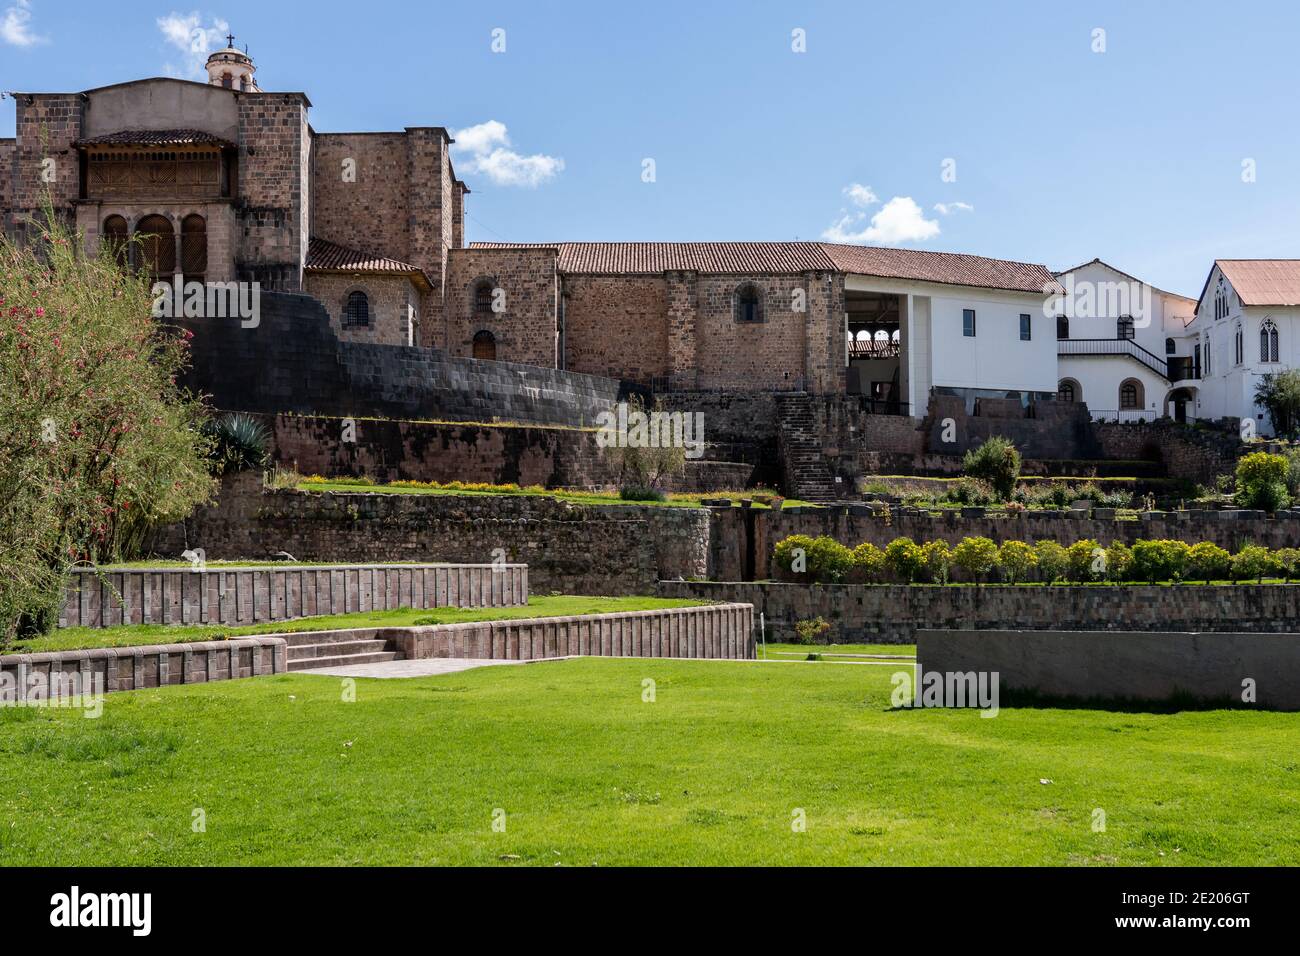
(899,220)
(485,149)
(948,208)
(861,195)
(16,27)
(187,33)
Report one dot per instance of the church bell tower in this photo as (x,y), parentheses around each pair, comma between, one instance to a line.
(232,68)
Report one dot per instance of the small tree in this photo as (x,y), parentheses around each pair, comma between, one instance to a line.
(1278,393)
(1207,561)
(1261,481)
(937,557)
(1119,562)
(1287,561)
(1160,560)
(1017,560)
(904,558)
(996,462)
(1252,561)
(976,556)
(1082,563)
(645,462)
(1052,560)
(868,561)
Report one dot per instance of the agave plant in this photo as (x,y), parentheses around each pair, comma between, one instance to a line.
(239,442)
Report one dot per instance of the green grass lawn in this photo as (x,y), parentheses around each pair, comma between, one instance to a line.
(778,652)
(131,635)
(712,772)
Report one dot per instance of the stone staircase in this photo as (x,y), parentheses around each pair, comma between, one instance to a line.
(807,473)
(337,649)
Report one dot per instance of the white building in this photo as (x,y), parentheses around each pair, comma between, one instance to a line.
(1246,325)
(1123,345)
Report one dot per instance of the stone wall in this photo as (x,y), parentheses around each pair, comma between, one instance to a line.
(569,548)
(45,129)
(526,329)
(71,674)
(721,631)
(1193,454)
(616,326)
(8,152)
(394,303)
(358,213)
(274,171)
(1157,667)
(893,614)
(109,598)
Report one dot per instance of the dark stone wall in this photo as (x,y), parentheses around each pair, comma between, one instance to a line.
(892,614)
(291,361)
(1194,454)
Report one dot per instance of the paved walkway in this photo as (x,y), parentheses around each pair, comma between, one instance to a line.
(422,668)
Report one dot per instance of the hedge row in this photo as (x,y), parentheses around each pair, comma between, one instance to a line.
(826,561)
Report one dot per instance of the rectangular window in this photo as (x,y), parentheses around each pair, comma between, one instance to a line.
(1026,331)
(968,323)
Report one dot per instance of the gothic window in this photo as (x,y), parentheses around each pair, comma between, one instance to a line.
(1268,341)
(356,312)
(115,238)
(157,246)
(748,303)
(485,346)
(194,247)
(1124,327)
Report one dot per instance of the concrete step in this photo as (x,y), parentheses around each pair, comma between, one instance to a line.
(381,657)
(328,637)
(335,649)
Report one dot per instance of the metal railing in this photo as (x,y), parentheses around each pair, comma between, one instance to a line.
(1123,415)
(1114,347)
(874,350)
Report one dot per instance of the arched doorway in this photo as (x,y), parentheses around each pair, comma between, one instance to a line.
(157,246)
(194,247)
(114,238)
(485,346)
(1180,405)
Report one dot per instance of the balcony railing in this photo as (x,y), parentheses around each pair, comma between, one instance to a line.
(1114,347)
(873,349)
(1123,415)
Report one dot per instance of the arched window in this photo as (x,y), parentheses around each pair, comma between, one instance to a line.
(227,81)
(194,247)
(485,346)
(1268,341)
(1124,327)
(748,303)
(1067,391)
(115,238)
(157,246)
(483,293)
(243,82)
(1170,347)
(356,311)
(1130,395)
(1062,326)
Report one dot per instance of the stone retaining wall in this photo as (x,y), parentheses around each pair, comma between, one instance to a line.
(893,614)
(1124,666)
(31,677)
(569,548)
(250,595)
(721,631)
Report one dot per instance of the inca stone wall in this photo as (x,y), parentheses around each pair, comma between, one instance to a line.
(1194,454)
(892,614)
(569,548)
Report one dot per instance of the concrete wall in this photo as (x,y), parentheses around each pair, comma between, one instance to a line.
(251,595)
(722,631)
(78,673)
(1124,666)
(893,614)
(162,103)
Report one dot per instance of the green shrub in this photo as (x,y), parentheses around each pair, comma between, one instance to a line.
(972,492)
(1287,562)
(824,559)
(937,558)
(239,442)
(1119,561)
(1292,456)
(810,630)
(1052,560)
(976,556)
(869,561)
(1017,559)
(1252,561)
(996,462)
(1261,481)
(904,558)
(641,493)
(1161,560)
(1081,561)
(792,550)
(1207,562)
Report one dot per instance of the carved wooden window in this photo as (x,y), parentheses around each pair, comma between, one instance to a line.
(157,246)
(154,174)
(194,247)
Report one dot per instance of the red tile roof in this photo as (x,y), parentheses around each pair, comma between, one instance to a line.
(325,256)
(156,137)
(746,258)
(1263,281)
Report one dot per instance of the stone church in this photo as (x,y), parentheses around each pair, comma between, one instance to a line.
(225,181)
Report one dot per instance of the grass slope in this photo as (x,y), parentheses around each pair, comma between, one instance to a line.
(587,773)
(133,635)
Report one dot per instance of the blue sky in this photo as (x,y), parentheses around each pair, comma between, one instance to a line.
(1061,153)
